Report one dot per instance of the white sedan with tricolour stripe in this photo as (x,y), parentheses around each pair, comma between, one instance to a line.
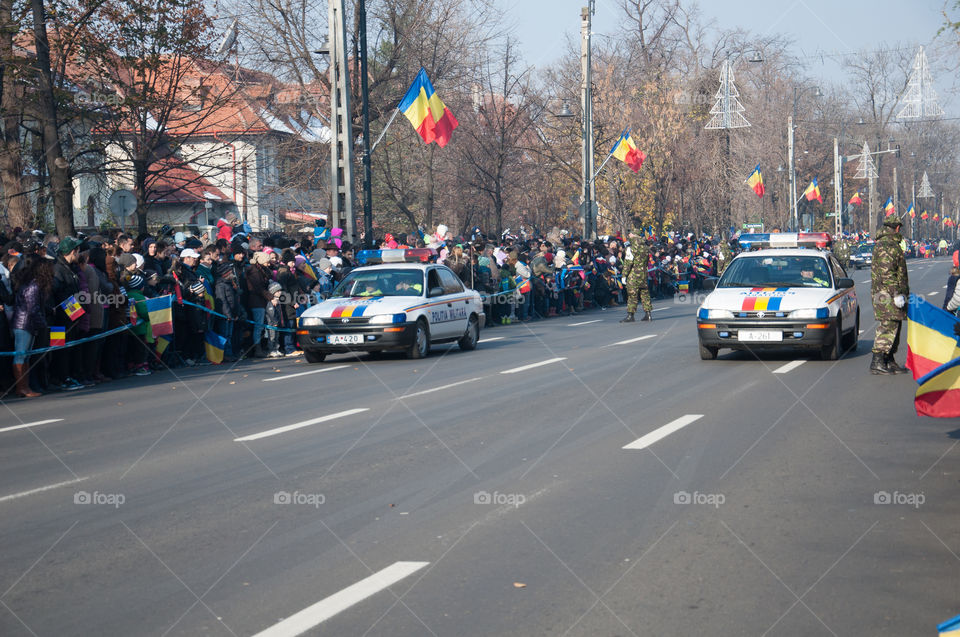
(781,298)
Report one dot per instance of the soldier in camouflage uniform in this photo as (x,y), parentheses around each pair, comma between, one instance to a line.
(726,256)
(841,250)
(635,277)
(889,291)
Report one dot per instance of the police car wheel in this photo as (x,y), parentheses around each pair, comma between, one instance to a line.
(851,342)
(708,353)
(420,346)
(469,340)
(833,351)
(314,357)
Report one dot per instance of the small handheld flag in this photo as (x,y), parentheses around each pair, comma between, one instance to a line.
(58,336)
(912,212)
(813,191)
(72,308)
(888,208)
(855,200)
(214,345)
(755,181)
(160,311)
(430,117)
(626,151)
(162,343)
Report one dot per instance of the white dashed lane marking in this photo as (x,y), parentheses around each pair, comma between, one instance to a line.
(40,490)
(585,323)
(789,367)
(933,294)
(632,340)
(300,425)
(31,424)
(430,391)
(490,340)
(663,432)
(311,616)
(312,371)
(532,365)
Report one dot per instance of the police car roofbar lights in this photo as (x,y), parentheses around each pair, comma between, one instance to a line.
(785,240)
(399,255)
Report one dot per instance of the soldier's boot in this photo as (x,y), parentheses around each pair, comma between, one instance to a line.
(647,317)
(628,318)
(877,365)
(892,366)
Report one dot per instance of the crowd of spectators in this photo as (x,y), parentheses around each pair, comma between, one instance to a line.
(256,285)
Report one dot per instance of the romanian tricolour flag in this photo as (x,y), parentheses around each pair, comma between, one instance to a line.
(162,344)
(160,310)
(523,285)
(626,151)
(58,336)
(855,200)
(938,395)
(936,216)
(912,212)
(308,270)
(427,112)
(931,341)
(214,345)
(813,191)
(72,308)
(888,208)
(755,181)
(924,215)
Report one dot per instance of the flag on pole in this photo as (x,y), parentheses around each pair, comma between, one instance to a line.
(58,336)
(72,308)
(855,200)
(626,151)
(888,208)
(924,215)
(214,345)
(936,216)
(813,191)
(912,212)
(755,181)
(160,310)
(430,117)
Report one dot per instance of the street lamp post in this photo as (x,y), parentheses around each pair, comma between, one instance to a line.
(790,156)
(589,190)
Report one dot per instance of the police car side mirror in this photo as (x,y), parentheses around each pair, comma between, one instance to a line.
(844,283)
(709,284)
(436,291)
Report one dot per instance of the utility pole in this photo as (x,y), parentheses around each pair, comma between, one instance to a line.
(341,144)
(365,107)
(837,188)
(793,177)
(589,189)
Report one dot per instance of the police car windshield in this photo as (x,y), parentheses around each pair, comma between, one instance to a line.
(776,272)
(380,282)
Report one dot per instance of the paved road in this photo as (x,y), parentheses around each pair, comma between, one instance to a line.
(450,496)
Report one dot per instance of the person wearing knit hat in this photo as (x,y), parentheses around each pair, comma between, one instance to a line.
(272,317)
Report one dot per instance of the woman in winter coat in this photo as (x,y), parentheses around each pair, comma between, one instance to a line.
(33,282)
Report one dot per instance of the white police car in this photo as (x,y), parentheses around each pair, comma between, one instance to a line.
(786,294)
(404,303)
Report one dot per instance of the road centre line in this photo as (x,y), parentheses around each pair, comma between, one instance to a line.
(585,323)
(532,365)
(41,489)
(490,340)
(663,432)
(326,608)
(789,367)
(300,425)
(31,424)
(312,371)
(933,294)
(430,391)
(632,340)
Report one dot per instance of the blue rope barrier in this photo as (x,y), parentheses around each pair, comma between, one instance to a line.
(89,339)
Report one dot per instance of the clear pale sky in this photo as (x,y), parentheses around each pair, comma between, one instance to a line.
(816,26)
